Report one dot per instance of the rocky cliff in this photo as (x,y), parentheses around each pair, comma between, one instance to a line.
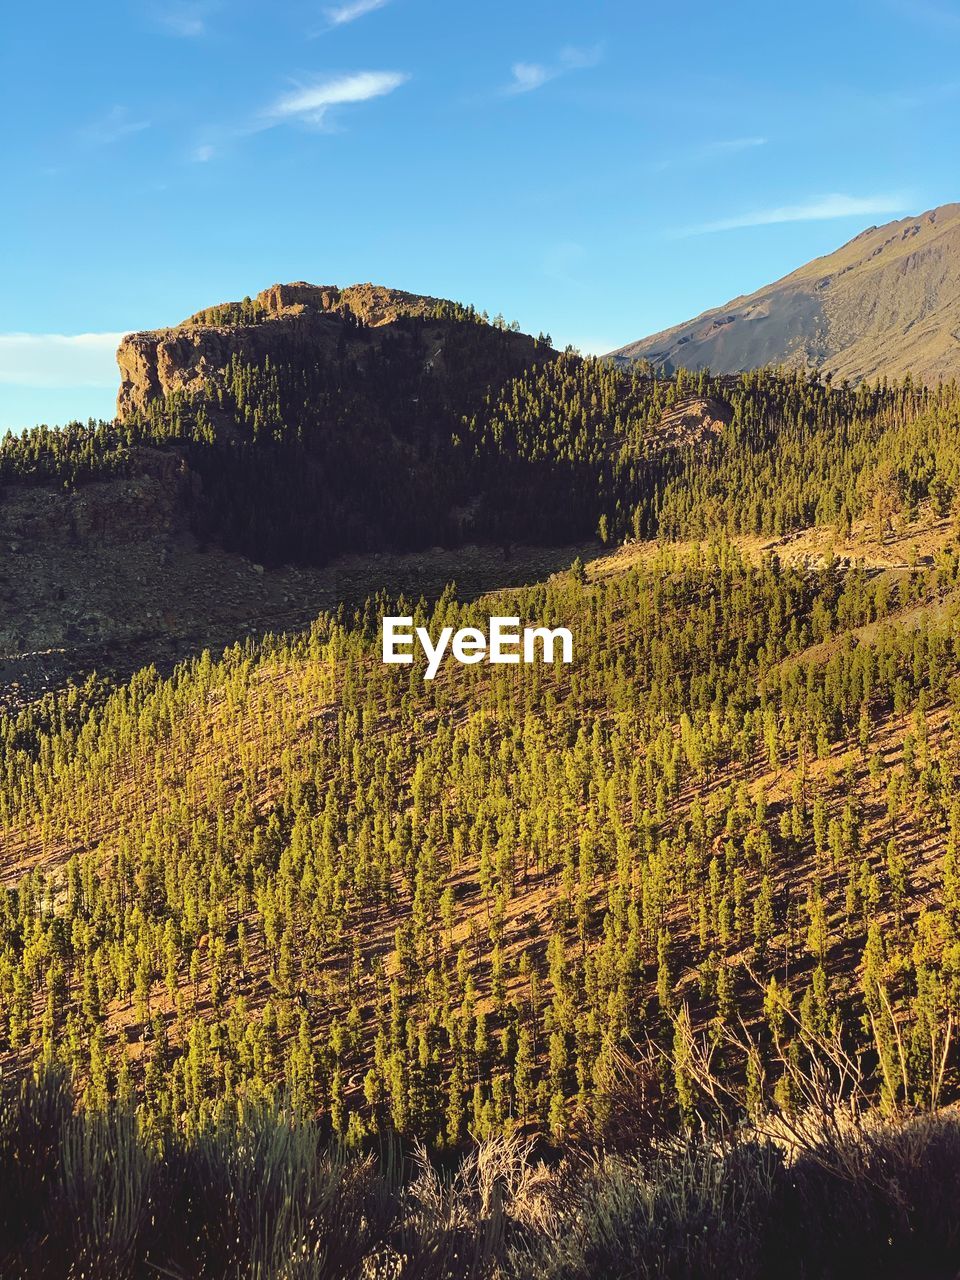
(90,569)
(151,550)
(284,321)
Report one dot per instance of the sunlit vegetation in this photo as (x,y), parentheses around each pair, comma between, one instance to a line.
(288,886)
(446,907)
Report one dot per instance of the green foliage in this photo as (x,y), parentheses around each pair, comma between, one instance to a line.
(448,908)
(231,314)
(425,436)
(294,870)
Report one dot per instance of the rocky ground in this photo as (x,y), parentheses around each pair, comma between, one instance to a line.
(107,578)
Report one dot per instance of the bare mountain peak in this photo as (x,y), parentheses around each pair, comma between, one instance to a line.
(374,304)
(885,303)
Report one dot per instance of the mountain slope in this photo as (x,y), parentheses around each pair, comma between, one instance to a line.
(251,507)
(885,304)
(322,420)
(440,906)
(280,455)
(457,907)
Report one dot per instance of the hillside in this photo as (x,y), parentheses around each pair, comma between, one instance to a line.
(287,453)
(459,906)
(451,907)
(270,492)
(435,907)
(322,420)
(271,458)
(281,911)
(324,324)
(885,304)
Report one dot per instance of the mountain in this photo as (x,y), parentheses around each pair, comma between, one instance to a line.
(260,449)
(315,447)
(322,420)
(683,883)
(293,911)
(481,904)
(316,324)
(885,304)
(309,447)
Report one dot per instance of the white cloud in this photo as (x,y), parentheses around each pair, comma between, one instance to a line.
(528,76)
(819,209)
(203,153)
(311,103)
(340,15)
(734,144)
(112,127)
(58,360)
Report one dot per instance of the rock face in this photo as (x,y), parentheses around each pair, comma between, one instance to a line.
(694,420)
(91,566)
(129,566)
(885,304)
(283,318)
(151,501)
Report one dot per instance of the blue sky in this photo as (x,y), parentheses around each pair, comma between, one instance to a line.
(598,171)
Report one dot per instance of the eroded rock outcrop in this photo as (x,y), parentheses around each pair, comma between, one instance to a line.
(280,321)
(151,500)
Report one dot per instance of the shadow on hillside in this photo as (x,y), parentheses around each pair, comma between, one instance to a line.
(211,599)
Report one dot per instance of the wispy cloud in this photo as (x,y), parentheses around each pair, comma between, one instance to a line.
(728,146)
(58,360)
(203,153)
(339,15)
(528,76)
(819,209)
(311,103)
(707,152)
(112,127)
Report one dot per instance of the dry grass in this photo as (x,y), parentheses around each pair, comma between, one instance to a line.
(264,1195)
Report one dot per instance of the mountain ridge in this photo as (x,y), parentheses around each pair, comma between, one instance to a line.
(884,304)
